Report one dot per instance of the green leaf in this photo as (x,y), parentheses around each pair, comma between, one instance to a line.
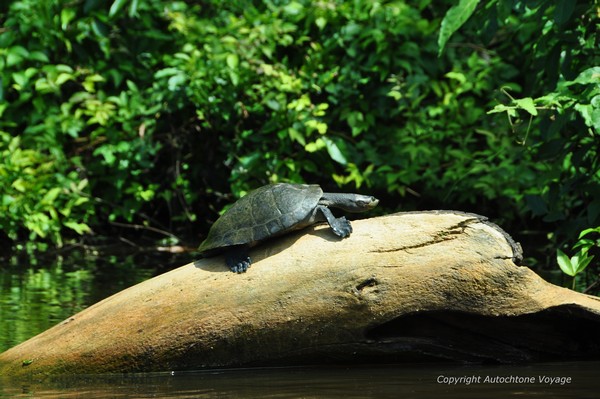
(133,9)
(62,68)
(589,76)
(63,78)
(590,115)
(580,261)
(585,244)
(235,78)
(16,54)
(334,151)
(293,8)
(527,104)
(20,79)
(503,108)
(455,18)
(583,262)
(460,77)
(79,201)
(564,263)
(19,185)
(116,7)
(232,60)
(107,152)
(563,11)
(66,16)
(167,72)
(176,81)
(51,195)
(79,228)
(295,135)
(146,195)
(588,231)
(315,146)
(321,22)
(38,56)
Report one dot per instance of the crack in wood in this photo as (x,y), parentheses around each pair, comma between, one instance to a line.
(459,228)
(447,234)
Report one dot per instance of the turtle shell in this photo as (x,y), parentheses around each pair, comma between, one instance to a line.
(265,212)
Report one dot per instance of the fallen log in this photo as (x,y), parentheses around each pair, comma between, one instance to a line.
(405,287)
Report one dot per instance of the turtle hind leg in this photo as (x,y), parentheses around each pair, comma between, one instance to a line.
(340,226)
(238,259)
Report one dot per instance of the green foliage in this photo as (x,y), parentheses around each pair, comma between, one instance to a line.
(578,262)
(575,265)
(555,113)
(143,113)
(37,193)
(78,130)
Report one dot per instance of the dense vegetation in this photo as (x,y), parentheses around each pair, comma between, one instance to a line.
(153,115)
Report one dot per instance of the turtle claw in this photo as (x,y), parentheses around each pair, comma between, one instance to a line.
(341,227)
(241,266)
(238,261)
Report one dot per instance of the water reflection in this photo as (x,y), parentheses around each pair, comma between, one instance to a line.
(36,294)
(407,381)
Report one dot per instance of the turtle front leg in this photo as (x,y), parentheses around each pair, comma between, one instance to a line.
(340,226)
(238,259)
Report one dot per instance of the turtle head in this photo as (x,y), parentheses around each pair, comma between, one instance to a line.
(349,202)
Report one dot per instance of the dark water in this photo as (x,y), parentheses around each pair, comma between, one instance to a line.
(569,380)
(44,293)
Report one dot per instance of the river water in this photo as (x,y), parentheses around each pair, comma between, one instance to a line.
(42,294)
(550,380)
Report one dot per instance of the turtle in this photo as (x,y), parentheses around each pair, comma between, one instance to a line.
(273,210)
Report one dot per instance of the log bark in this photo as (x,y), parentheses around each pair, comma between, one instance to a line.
(404,287)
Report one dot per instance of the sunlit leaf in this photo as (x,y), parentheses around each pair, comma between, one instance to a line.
(588,231)
(321,22)
(293,8)
(590,115)
(38,56)
(67,14)
(527,104)
(456,16)
(79,228)
(51,195)
(564,263)
(334,151)
(19,185)
(63,78)
(499,108)
(589,76)
(16,55)
(133,9)
(232,60)
(583,263)
(315,146)
(460,77)
(116,6)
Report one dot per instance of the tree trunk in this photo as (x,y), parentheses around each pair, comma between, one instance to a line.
(404,287)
